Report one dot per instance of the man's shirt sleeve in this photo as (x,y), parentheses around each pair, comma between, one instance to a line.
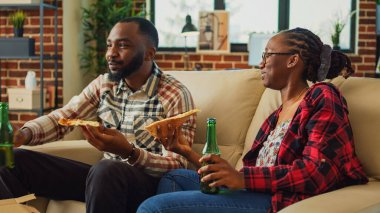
(46,129)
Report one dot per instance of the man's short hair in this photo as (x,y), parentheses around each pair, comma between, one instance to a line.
(146,27)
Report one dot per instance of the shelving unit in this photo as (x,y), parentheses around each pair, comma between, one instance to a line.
(41,57)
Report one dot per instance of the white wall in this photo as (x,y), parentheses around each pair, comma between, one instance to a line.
(73,79)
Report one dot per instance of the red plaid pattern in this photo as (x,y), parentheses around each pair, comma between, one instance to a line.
(316,155)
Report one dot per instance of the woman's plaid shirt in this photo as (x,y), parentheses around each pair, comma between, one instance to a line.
(116,106)
(316,155)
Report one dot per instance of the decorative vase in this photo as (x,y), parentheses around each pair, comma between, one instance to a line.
(18,32)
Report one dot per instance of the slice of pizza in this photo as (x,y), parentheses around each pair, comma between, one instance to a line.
(175,122)
(77,122)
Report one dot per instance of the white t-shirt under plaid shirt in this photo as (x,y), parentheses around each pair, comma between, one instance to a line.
(116,106)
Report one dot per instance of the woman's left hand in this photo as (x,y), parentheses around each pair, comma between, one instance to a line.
(221,173)
(174,140)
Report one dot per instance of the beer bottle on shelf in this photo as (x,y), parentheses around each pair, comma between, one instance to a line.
(6,138)
(211,147)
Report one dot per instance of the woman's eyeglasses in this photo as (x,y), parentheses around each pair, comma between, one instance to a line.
(265,55)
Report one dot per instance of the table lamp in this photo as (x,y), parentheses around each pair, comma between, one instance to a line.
(188,30)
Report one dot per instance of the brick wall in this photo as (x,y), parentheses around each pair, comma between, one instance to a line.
(13,72)
(364,60)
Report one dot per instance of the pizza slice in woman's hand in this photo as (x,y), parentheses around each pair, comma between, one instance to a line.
(175,121)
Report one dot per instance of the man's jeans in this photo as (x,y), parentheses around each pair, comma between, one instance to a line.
(108,186)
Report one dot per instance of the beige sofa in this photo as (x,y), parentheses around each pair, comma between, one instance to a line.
(240,103)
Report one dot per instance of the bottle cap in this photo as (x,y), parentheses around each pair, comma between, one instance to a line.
(211,120)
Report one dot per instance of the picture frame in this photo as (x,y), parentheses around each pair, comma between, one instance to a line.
(213,32)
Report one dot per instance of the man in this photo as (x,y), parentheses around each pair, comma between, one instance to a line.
(131,95)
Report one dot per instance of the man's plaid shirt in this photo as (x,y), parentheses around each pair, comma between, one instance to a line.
(316,155)
(116,106)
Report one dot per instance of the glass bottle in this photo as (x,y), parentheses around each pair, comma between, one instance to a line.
(6,138)
(211,147)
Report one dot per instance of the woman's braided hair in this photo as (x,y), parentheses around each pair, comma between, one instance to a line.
(309,47)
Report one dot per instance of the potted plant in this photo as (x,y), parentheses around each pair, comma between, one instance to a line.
(335,36)
(338,26)
(97,22)
(17,20)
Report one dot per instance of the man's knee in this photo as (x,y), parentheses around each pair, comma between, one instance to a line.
(105,167)
(105,170)
(21,154)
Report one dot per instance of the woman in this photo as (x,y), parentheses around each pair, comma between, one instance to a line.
(304,148)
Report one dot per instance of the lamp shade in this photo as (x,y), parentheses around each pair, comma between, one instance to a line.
(189,28)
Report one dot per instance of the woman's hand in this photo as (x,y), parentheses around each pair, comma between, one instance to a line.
(174,140)
(107,140)
(220,173)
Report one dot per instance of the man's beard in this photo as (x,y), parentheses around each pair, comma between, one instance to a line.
(132,67)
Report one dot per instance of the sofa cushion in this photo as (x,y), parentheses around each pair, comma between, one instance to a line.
(229,96)
(40,204)
(270,101)
(363,98)
(79,150)
(348,199)
(64,206)
(375,208)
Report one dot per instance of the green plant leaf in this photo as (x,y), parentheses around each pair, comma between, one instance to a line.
(97,21)
(338,25)
(17,19)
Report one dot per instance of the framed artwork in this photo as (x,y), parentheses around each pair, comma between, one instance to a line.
(213,32)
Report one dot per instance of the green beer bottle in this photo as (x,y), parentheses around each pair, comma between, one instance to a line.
(211,147)
(6,138)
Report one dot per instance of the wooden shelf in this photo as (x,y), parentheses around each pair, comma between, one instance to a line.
(41,6)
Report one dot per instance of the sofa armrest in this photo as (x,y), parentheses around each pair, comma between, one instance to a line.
(78,150)
(349,199)
(375,208)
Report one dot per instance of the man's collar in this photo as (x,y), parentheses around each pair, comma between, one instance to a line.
(150,86)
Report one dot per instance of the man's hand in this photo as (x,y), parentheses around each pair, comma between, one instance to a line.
(220,173)
(21,136)
(107,140)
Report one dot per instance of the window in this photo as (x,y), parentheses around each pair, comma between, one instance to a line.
(311,12)
(169,18)
(247,16)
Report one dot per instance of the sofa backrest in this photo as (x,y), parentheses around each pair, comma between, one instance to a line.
(229,96)
(270,101)
(363,99)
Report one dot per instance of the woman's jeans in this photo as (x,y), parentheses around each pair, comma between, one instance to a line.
(185,196)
